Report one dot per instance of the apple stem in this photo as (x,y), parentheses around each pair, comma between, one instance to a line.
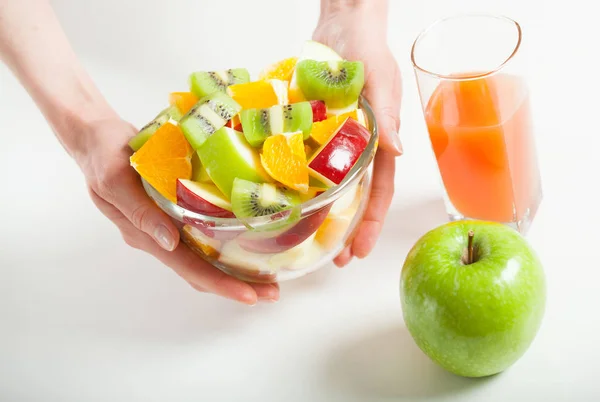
(470,248)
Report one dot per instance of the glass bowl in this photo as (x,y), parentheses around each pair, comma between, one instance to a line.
(282,246)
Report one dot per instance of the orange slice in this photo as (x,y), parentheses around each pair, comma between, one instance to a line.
(163,159)
(183,100)
(200,243)
(322,130)
(259,94)
(331,231)
(338,220)
(282,70)
(284,159)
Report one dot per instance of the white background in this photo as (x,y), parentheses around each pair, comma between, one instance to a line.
(85,318)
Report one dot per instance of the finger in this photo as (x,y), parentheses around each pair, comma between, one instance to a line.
(380,199)
(198,273)
(127,194)
(195,270)
(344,257)
(198,288)
(384,92)
(266,291)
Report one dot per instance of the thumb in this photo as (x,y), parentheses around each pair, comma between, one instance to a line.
(128,195)
(384,93)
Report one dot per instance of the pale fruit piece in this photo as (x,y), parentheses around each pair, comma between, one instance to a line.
(234,255)
(313,50)
(348,202)
(302,256)
(200,242)
(226,155)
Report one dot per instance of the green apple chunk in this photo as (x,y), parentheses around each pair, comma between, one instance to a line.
(474,318)
(226,155)
(198,171)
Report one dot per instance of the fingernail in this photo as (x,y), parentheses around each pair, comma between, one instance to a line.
(396,141)
(164,238)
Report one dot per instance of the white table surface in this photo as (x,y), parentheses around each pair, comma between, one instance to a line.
(85,318)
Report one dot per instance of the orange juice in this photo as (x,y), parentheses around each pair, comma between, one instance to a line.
(481,134)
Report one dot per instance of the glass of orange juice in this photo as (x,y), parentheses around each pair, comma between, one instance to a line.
(476,104)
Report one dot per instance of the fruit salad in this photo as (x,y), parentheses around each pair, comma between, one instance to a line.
(232,149)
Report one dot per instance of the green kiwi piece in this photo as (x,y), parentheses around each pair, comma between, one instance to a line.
(250,199)
(258,124)
(170,113)
(338,82)
(204,83)
(207,116)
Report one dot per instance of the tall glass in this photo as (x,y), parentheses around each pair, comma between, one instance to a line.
(476,106)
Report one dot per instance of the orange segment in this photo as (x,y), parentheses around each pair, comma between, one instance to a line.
(295,95)
(284,159)
(322,130)
(183,100)
(331,230)
(163,159)
(259,94)
(200,243)
(282,70)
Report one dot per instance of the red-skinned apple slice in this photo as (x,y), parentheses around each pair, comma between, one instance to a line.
(334,159)
(319,110)
(203,198)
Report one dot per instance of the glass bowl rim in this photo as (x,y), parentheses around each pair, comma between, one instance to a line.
(465,77)
(306,208)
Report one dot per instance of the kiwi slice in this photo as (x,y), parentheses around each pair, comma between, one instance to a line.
(337,82)
(207,116)
(258,124)
(250,199)
(204,83)
(170,113)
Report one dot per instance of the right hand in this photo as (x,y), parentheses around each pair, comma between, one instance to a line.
(116,189)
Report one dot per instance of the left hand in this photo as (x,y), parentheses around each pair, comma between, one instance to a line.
(360,34)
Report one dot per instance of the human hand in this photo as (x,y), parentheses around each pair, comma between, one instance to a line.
(359,33)
(116,190)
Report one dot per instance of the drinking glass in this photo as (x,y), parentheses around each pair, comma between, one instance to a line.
(476,106)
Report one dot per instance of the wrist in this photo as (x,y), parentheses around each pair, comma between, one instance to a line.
(74,123)
(72,106)
(359,8)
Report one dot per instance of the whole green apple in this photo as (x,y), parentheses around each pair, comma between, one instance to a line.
(474,315)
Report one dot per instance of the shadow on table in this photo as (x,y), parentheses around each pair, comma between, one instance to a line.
(402,227)
(409,222)
(388,364)
(116,293)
